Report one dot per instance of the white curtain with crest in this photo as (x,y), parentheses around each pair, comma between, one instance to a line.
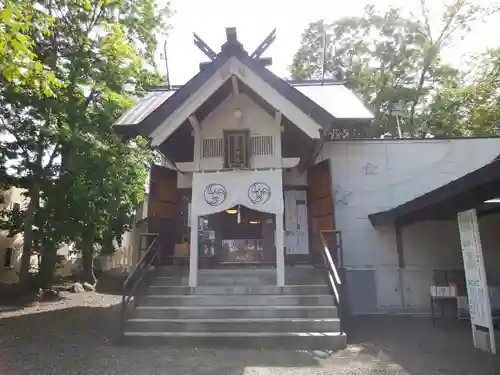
(261,190)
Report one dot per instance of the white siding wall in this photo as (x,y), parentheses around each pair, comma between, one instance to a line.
(125,257)
(8,275)
(375,175)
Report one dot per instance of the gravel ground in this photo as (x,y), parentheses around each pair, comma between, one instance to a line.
(75,336)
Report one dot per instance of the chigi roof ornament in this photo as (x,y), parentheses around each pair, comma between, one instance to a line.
(233,45)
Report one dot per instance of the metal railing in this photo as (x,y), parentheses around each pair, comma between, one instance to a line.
(136,279)
(333,277)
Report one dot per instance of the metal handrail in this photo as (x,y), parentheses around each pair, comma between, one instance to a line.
(333,275)
(136,278)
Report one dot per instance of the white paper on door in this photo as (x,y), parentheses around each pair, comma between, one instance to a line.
(296,236)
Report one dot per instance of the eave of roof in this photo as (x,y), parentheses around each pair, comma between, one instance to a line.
(156,117)
(144,107)
(475,179)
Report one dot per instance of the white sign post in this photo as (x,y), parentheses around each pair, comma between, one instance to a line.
(475,276)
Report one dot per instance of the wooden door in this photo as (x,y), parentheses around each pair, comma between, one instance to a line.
(163,209)
(321,212)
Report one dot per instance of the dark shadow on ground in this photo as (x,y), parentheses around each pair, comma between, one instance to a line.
(420,347)
(82,340)
(13,297)
(79,337)
(110,284)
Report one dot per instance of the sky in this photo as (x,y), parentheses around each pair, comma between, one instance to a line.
(255,19)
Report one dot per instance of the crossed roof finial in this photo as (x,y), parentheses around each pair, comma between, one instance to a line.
(232,44)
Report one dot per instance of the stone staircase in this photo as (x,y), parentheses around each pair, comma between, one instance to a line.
(238,308)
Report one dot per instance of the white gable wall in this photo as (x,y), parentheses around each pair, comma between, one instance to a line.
(254,118)
(374,175)
(234,67)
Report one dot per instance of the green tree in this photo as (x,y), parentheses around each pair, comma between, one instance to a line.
(471,106)
(378,53)
(106,185)
(103,52)
(457,17)
(18,60)
(387,57)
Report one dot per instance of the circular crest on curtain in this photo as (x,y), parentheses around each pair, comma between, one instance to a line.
(215,194)
(259,193)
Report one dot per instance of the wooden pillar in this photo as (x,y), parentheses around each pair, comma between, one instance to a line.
(280,250)
(193,252)
(399,246)
(401,263)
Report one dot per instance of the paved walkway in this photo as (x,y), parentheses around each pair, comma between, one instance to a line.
(75,337)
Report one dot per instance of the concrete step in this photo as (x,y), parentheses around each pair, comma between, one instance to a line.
(233,325)
(236,300)
(238,289)
(299,275)
(244,279)
(184,272)
(232,312)
(172,271)
(218,276)
(169,281)
(291,271)
(254,280)
(286,340)
(304,275)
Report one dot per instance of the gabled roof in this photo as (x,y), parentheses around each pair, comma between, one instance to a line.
(144,107)
(337,99)
(155,117)
(324,105)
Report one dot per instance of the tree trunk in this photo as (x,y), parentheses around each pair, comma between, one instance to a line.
(88,262)
(28,235)
(48,264)
(418,92)
(416,99)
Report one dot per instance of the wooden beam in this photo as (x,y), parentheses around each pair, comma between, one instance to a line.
(399,247)
(204,64)
(266,61)
(190,166)
(310,155)
(277,118)
(209,52)
(234,81)
(264,45)
(194,123)
(231,35)
(289,162)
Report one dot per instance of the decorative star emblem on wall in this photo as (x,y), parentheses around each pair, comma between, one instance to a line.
(341,196)
(370,168)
